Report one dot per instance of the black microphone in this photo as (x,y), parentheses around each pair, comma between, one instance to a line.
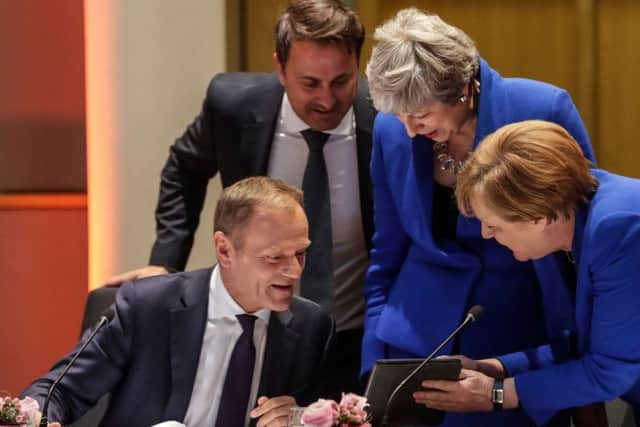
(472,315)
(105,318)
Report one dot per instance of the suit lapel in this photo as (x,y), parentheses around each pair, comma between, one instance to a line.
(258,130)
(187,330)
(583,302)
(558,303)
(278,355)
(491,114)
(365,115)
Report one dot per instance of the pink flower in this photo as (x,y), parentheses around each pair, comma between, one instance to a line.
(29,408)
(322,413)
(15,411)
(352,409)
(352,401)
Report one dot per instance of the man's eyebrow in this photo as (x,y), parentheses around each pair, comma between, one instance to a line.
(315,79)
(342,76)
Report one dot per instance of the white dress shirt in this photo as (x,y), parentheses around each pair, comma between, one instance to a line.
(288,160)
(220,335)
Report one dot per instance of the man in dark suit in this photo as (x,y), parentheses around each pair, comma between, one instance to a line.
(254,124)
(178,345)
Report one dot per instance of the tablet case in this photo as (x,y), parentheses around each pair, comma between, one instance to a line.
(387,374)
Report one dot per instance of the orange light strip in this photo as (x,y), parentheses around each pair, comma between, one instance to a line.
(103,131)
(33,201)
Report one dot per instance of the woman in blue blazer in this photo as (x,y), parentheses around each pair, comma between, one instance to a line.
(429,265)
(557,204)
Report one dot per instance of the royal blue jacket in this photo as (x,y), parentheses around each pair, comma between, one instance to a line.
(606,247)
(418,288)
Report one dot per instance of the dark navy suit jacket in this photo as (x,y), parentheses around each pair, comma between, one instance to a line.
(419,287)
(147,356)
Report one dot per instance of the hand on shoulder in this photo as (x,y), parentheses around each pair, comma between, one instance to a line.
(148,271)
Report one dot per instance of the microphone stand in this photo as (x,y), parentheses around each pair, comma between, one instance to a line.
(44,421)
(472,315)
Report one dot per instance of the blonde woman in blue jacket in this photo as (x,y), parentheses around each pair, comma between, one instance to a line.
(533,191)
(429,264)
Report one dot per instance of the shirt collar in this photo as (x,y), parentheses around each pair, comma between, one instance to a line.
(222,305)
(292,123)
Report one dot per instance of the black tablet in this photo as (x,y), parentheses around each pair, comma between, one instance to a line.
(404,411)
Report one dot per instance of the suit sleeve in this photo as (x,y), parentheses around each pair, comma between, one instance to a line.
(97,370)
(389,250)
(191,164)
(611,365)
(565,113)
(317,387)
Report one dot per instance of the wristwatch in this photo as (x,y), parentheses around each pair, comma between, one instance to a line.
(497,394)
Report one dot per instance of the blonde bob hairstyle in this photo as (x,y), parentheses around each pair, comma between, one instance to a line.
(527,171)
(417,60)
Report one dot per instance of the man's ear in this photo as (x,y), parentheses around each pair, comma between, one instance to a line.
(224,249)
(279,68)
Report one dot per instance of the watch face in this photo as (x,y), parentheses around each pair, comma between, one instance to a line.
(497,395)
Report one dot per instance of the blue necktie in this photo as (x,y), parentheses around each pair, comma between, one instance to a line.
(234,401)
(316,283)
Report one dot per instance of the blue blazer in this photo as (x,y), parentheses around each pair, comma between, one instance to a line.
(419,288)
(606,247)
(147,356)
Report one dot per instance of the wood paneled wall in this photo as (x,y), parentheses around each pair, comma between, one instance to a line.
(588,47)
(618,53)
(261,16)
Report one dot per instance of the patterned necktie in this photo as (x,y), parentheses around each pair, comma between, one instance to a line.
(234,401)
(317,278)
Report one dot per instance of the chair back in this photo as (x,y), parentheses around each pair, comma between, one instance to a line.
(97,302)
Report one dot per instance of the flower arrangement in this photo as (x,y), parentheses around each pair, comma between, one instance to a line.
(16,412)
(350,412)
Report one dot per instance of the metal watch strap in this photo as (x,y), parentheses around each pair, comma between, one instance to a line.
(497,394)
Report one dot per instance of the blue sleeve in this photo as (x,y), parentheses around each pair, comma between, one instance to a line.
(390,242)
(522,361)
(611,364)
(96,371)
(565,113)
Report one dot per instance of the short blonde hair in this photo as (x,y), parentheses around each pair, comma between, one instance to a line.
(527,171)
(239,201)
(418,59)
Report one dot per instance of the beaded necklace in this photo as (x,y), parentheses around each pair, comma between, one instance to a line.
(441,149)
(447,162)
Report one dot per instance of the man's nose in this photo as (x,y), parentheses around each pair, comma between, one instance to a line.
(293,269)
(326,98)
